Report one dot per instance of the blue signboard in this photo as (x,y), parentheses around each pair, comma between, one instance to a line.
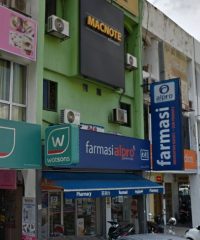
(166,117)
(111,193)
(109,151)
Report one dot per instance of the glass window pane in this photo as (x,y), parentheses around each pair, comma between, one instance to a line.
(4,79)
(55,212)
(49,95)
(18,113)
(19,84)
(86,213)
(4,111)
(44,228)
(69,216)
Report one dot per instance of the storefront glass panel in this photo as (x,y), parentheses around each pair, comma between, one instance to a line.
(124,210)
(86,216)
(11,213)
(52,214)
(69,217)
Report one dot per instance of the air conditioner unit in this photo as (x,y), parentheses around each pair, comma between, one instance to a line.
(120,116)
(19,5)
(57,27)
(69,116)
(131,62)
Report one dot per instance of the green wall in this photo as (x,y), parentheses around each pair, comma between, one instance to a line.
(61,64)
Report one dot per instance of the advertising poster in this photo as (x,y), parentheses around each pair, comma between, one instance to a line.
(18,34)
(29,219)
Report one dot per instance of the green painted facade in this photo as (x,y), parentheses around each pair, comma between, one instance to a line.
(61,64)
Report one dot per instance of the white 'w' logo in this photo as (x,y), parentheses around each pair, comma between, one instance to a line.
(58,141)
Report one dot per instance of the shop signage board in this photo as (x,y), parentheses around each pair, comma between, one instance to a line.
(109,151)
(20,145)
(166,118)
(111,193)
(190,160)
(18,34)
(102,42)
(61,145)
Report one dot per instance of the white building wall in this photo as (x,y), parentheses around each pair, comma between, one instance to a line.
(155,22)
(158,27)
(151,59)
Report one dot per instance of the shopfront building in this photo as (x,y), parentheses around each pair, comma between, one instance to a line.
(20,147)
(20,153)
(78,199)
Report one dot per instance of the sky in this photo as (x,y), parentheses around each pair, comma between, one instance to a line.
(186,13)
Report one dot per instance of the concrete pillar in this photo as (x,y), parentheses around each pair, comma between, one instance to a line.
(108,214)
(195,196)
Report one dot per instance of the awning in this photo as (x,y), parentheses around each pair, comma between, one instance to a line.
(93,185)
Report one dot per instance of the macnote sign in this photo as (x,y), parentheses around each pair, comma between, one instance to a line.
(62,145)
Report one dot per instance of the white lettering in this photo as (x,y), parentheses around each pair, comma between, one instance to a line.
(164,132)
(58,142)
(83,194)
(139,191)
(58,159)
(97,149)
(123,192)
(153,190)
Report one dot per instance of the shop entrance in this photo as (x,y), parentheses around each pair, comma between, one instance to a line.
(185,216)
(11,214)
(68,217)
(124,210)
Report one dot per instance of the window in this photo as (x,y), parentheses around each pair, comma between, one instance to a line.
(50,9)
(127,107)
(12,91)
(186,134)
(146,121)
(49,95)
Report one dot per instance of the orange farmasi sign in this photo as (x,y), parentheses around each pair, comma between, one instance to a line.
(190,160)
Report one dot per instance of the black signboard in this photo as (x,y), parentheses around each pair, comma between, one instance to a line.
(102,42)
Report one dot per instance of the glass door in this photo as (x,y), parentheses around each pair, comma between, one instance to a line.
(52,220)
(86,216)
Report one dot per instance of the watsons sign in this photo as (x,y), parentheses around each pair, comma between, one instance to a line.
(61,145)
(167,149)
(104,28)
